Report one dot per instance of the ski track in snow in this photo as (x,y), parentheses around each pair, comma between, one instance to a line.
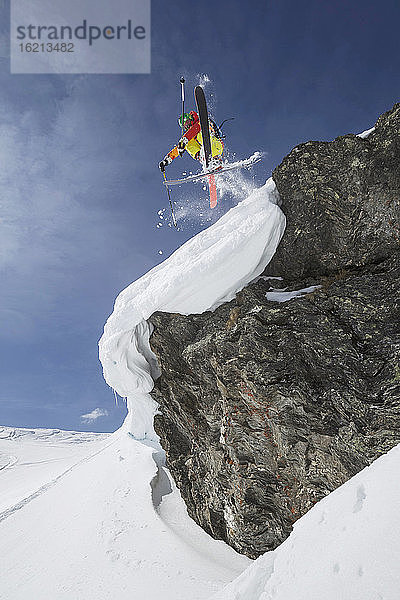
(41,490)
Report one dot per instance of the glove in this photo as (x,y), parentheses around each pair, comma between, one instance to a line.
(181,147)
(162,166)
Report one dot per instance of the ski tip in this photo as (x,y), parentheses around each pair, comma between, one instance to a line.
(182,80)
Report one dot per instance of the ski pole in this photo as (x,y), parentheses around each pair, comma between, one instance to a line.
(170,203)
(183,100)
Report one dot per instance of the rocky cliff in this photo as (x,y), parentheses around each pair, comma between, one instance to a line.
(341,200)
(270,403)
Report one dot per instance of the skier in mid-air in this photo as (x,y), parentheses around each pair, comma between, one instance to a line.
(192,140)
(202,139)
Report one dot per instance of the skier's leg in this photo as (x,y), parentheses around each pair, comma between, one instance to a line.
(217,146)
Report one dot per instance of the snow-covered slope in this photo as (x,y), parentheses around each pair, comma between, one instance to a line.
(89,529)
(32,458)
(202,274)
(345,548)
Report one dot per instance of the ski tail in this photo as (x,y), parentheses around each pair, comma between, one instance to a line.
(213,191)
(204,122)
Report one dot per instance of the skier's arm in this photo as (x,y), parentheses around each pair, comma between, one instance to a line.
(169,158)
(179,149)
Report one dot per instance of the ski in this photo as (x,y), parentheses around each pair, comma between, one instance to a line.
(241,164)
(205,133)
(213,191)
(204,123)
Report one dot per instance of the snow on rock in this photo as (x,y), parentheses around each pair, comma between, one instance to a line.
(279,295)
(366,133)
(347,547)
(206,271)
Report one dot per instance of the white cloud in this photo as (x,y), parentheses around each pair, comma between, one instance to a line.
(94,415)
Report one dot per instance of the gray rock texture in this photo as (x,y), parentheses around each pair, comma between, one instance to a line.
(268,406)
(341,200)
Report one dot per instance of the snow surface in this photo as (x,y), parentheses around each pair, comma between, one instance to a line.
(347,547)
(206,271)
(366,133)
(79,520)
(30,458)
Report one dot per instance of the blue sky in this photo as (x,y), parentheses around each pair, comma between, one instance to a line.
(79,183)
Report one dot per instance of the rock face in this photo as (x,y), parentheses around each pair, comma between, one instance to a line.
(268,406)
(341,200)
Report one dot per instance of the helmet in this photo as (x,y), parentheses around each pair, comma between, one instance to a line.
(186,117)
